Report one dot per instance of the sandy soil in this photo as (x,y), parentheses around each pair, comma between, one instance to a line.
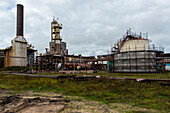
(36,102)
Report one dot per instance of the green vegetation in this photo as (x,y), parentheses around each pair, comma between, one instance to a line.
(146,95)
(100,73)
(135,75)
(13,68)
(125,75)
(134,111)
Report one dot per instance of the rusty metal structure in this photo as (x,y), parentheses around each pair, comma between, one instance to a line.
(53,58)
(55,44)
(103,62)
(16,55)
(132,53)
(20,53)
(77,62)
(57,57)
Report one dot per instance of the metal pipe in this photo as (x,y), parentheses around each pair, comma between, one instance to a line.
(20,19)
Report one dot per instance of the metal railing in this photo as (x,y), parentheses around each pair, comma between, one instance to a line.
(151,47)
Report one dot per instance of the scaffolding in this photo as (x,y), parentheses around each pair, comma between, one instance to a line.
(138,61)
(133,53)
(129,35)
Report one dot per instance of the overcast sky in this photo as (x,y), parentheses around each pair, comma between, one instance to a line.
(90,27)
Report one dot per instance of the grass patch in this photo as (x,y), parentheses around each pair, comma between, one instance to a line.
(73,98)
(13,68)
(125,75)
(146,95)
(135,111)
(134,75)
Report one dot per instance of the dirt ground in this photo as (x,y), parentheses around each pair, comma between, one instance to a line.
(36,102)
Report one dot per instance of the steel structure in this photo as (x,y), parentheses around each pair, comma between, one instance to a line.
(55,44)
(138,61)
(18,50)
(48,62)
(132,53)
(51,60)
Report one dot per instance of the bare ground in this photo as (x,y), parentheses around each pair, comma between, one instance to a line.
(36,102)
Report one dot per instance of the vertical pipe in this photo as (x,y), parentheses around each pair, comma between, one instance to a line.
(20,19)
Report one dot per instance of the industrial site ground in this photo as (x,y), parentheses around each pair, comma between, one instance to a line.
(26,94)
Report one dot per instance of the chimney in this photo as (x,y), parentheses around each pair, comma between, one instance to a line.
(20,20)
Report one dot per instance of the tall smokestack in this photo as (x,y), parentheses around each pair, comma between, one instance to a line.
(20,19)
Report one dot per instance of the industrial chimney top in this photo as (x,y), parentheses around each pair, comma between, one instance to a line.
(20,20)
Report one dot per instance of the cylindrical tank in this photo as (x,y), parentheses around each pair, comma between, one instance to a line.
(63,46)
(20,19)
(55,48)
(135,45)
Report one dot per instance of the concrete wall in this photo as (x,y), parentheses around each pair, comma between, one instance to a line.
(136,44)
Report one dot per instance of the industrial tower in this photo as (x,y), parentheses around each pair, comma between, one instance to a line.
(17,54)
(55,44)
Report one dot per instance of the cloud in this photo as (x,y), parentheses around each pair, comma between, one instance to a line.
(90,27)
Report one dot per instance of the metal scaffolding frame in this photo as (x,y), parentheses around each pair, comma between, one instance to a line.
(138,61)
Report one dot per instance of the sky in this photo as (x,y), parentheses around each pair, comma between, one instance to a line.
(90,27)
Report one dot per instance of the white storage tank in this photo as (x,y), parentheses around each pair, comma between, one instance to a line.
(135,45)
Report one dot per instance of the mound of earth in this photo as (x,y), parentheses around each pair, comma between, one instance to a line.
(20,104)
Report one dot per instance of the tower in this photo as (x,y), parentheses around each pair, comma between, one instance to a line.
(17,54)
(55,44)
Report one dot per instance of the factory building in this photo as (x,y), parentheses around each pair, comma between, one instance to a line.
(54,57)
(166,61)
(16,55)
(76,62)
(133,53)
(57,57)
(20,53)
(103,62)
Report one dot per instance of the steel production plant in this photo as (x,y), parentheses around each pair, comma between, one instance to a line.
(20,53)
(132,53)
(56,58)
